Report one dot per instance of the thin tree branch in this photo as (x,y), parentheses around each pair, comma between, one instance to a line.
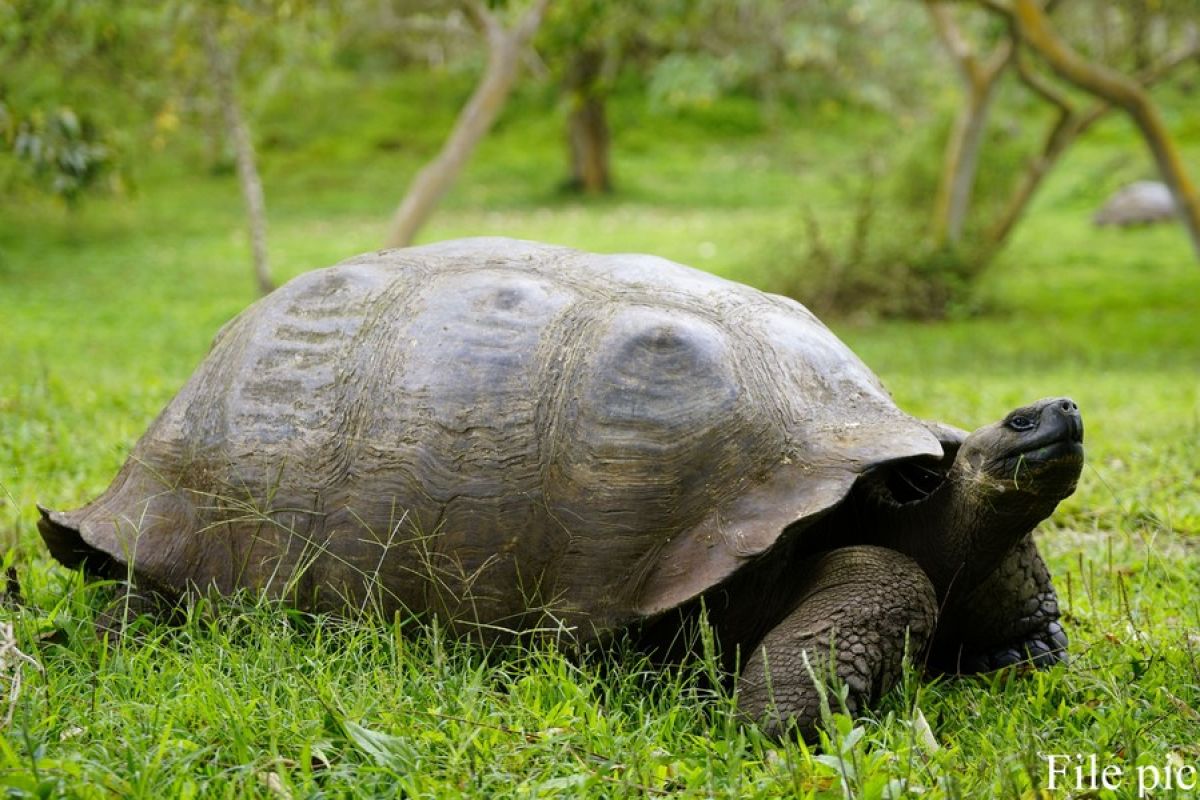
(951,35)
(473,122)
(1039,85)
(483,19)
(531,21)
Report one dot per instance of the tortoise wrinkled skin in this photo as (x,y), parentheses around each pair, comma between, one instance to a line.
(516,437)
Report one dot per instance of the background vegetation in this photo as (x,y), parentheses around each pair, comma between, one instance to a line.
(799,152)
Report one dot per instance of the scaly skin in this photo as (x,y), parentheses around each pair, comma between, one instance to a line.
(859,607)
(1010,618)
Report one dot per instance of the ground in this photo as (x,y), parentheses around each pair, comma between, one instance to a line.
(108,309)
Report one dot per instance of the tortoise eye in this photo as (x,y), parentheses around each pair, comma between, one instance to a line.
(1021,423)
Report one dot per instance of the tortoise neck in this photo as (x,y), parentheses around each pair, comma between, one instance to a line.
(959,533)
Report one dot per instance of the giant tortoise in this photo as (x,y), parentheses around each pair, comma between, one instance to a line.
(1139,203)
(517,438)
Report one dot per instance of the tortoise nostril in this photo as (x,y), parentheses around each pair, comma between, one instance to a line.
(1068,406)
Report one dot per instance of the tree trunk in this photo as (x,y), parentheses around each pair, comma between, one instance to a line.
(587,125)
(474,121)
(959,167)
(961,161)
(220,63)
(1038,33)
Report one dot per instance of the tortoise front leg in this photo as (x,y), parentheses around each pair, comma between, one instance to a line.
(1010,618)
(860,605)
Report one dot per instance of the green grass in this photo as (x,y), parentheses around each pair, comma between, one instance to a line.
(107,311)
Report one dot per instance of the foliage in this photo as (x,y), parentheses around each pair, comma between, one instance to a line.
(382,36)
(868,253)
(63,135)
(63,153)
(785,56)
(795,52)
(1130,34)
(89,85)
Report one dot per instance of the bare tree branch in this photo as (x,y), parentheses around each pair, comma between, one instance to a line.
(1043,88)
(483,19)
(474,121)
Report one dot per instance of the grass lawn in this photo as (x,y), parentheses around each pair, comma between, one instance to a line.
(105,313)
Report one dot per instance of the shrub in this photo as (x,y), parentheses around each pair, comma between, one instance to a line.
(871,255)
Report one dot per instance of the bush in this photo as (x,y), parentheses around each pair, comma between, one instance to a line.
(872,255)
(889,270)
(60,151)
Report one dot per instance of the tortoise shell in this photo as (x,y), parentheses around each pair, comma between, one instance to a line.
(507,434)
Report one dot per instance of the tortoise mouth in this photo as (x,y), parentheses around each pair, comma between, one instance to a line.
(1059,450)
(1062,449)
(1059,438)
(1045,467)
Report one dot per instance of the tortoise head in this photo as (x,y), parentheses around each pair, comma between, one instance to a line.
(1028,459)
(991,489)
